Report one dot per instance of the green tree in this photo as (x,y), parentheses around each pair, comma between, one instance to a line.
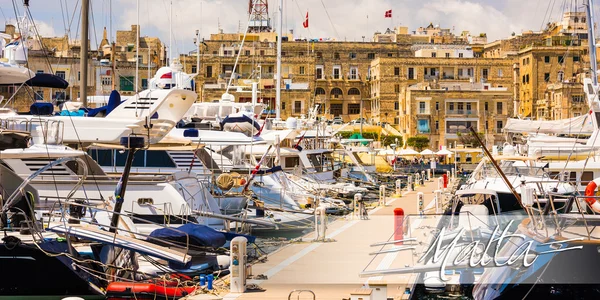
(387,140)
(418,142)
(468,139)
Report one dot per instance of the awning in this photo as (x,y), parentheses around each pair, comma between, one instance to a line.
(582,124)
(48,81)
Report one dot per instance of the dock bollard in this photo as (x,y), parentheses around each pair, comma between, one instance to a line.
(428,174)
(357,198)
(440,183)
(423,177)
(409,184)
(320,223)
(416,179)
(398,225)
(382,200)
(420,201)
(398,187)
(438,201)
(237,281)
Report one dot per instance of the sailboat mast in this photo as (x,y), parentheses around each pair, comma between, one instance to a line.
(170,32)
(85,11)
(279,38)
(592,41)
(137,49)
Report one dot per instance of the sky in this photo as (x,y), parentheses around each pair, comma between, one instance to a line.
(337,19)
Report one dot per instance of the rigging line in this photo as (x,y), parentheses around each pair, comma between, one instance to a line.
(545,15)
(239,54)
(37,33)
(2,11)
(328,17)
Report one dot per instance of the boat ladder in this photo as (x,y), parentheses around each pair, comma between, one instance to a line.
(314,297)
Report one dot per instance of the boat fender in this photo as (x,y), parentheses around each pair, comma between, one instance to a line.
(590,191)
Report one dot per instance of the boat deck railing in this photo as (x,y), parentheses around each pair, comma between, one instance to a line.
(43,131)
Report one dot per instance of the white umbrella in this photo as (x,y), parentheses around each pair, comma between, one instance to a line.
(386,152)
(444,152)
(427,152)
(408,152)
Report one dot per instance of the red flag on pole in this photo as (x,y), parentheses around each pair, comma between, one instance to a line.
(305,23)
(388,13)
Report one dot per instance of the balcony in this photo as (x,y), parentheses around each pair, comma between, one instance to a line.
(423,111)
(467,112)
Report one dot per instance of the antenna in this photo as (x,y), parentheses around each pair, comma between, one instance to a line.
(259,16)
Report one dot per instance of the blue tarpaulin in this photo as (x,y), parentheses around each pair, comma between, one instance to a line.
(199,235)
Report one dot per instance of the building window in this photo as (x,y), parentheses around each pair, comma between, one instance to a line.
(422,107)
(352,55)
(460,72)
(319,72)
(336,72)
(301,53)
(370,55)
(302,70)
(336,93)
(499,72)
(319,91)
(336,55)
(451,106)
(437,125)
(208,71)
(247,52)
(411,73)
(499,109)
(390,54)
(423,126)
(354,92)
(106,80)
(396,71)
(353,73)
(39,71)
(297,107)
(486,106)
(319,54)
(39,95)
(126,83)
(396,105)
(336,109)
(561,59)
(575,58)
(437,106)
(396,88)
(498,126)
(283,105)
(484,73)
(61,74)
(433,54)
(561,76)
(547,59)
(353,109)
(546,77)
(577,98)
(447,55)
(460,55)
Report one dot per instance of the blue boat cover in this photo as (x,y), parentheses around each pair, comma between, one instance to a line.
(48,81)
(240,119)
(41,109)
(113,101)
(200,235)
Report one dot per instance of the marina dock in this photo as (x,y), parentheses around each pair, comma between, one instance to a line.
(331,269)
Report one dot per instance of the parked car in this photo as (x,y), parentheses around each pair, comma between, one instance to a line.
(359,121)
(337,121)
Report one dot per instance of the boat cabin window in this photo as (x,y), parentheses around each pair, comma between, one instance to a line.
(142,158)
(145,201)
(291,162)
(586,177)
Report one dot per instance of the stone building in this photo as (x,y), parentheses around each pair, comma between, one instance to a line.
(442,111)
(565,100)
(391,77)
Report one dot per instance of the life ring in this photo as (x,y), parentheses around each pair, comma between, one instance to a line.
(225,182)
(590,190)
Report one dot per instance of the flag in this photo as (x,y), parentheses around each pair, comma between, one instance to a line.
(305,23)
(388,13)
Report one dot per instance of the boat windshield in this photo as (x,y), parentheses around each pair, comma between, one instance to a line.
(513,168)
